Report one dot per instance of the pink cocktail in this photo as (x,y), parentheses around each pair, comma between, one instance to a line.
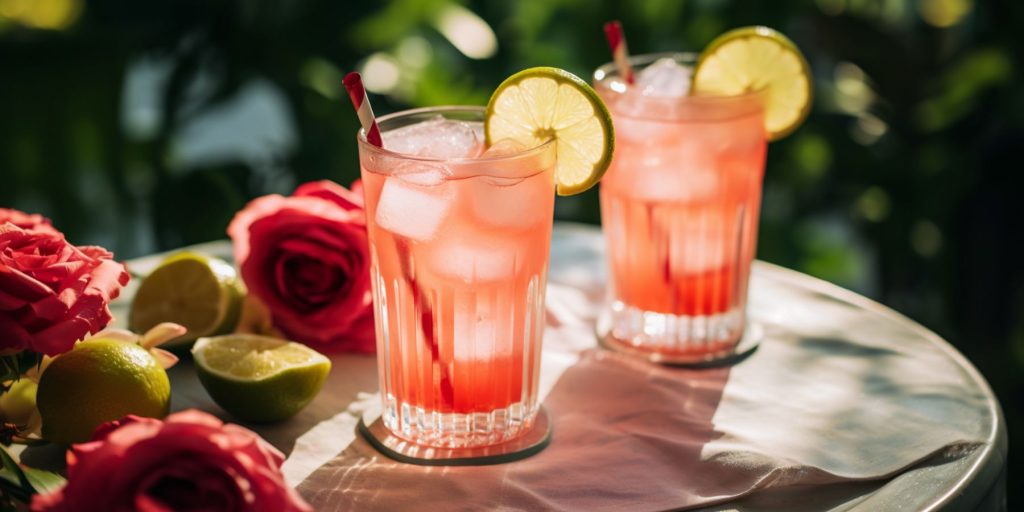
(459,238)
(679,207)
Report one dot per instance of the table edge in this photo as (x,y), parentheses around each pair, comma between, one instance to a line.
(996,443)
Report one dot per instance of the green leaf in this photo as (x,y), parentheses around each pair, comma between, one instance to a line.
(43,482)
(7,479)
(9,368)
(28,360)
(15,469)
(22,482)
(13,366)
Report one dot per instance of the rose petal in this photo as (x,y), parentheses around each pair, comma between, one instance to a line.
(306,259)
(357,188)
(191,460)
(15,337)
(122,335)
(160,333)
(187,483)
(164,358)
(89,315)
(238,229)
(26,221)
(331,191)
(48,309)
(9,302)
(105,429)
(18,284)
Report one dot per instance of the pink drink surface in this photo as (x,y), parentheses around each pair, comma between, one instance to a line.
(680,206)
(460,262)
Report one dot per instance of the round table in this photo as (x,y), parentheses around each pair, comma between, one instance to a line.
(970,478)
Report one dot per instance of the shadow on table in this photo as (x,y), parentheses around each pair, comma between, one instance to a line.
(350,375)
(604,448)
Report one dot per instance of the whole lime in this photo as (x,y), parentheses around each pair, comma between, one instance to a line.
(96,382)
(18,404)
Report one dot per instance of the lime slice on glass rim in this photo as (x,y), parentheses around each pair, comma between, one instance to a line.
(199,292)
(259,378)
(752,59)
(538,104)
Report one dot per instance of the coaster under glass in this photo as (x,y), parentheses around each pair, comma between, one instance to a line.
(753,333)
(372,428)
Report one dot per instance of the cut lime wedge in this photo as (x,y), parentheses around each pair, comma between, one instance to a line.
(537,104)
(197,291)
(752,59)
(259,378)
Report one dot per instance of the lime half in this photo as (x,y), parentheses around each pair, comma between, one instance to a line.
(200,292)
(538,104)
(259,378)
(752,59)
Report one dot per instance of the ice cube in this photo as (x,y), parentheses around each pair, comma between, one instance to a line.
(503,192)
(518,204)
(476,327)
(665,78)
(414,204)
(642,129)
(437,137)
(473,254)
(674,177)
(421,173)
(504,147)
(699,240)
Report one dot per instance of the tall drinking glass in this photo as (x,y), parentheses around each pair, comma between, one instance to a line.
(680,207)
(459,240)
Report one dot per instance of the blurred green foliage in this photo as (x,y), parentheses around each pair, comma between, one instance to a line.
(145,125)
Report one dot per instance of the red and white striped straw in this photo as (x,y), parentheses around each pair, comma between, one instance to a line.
(354,85)
(617,42)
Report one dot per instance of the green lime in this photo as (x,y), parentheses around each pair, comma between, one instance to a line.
(538,104)
(259,378)
(96,382)
(752,59)
(199,292)
(18,404)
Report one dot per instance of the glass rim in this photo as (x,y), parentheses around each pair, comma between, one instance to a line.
(609,70)
(548,145)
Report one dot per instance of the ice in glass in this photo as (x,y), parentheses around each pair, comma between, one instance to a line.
(459,240)
(679,207)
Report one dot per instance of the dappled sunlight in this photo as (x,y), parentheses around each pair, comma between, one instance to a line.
(381,73)
(467,32)
(853,94)
(832,373)
(42,14)
(944,13)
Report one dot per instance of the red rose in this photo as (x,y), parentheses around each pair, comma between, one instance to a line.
(305,258)
(23,220)
(190,461)
(52,293)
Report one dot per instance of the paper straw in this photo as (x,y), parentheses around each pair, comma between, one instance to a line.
(354,85)
(617,42)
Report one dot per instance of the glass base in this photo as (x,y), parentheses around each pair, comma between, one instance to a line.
(712,340)
(530,441)
(455,430)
